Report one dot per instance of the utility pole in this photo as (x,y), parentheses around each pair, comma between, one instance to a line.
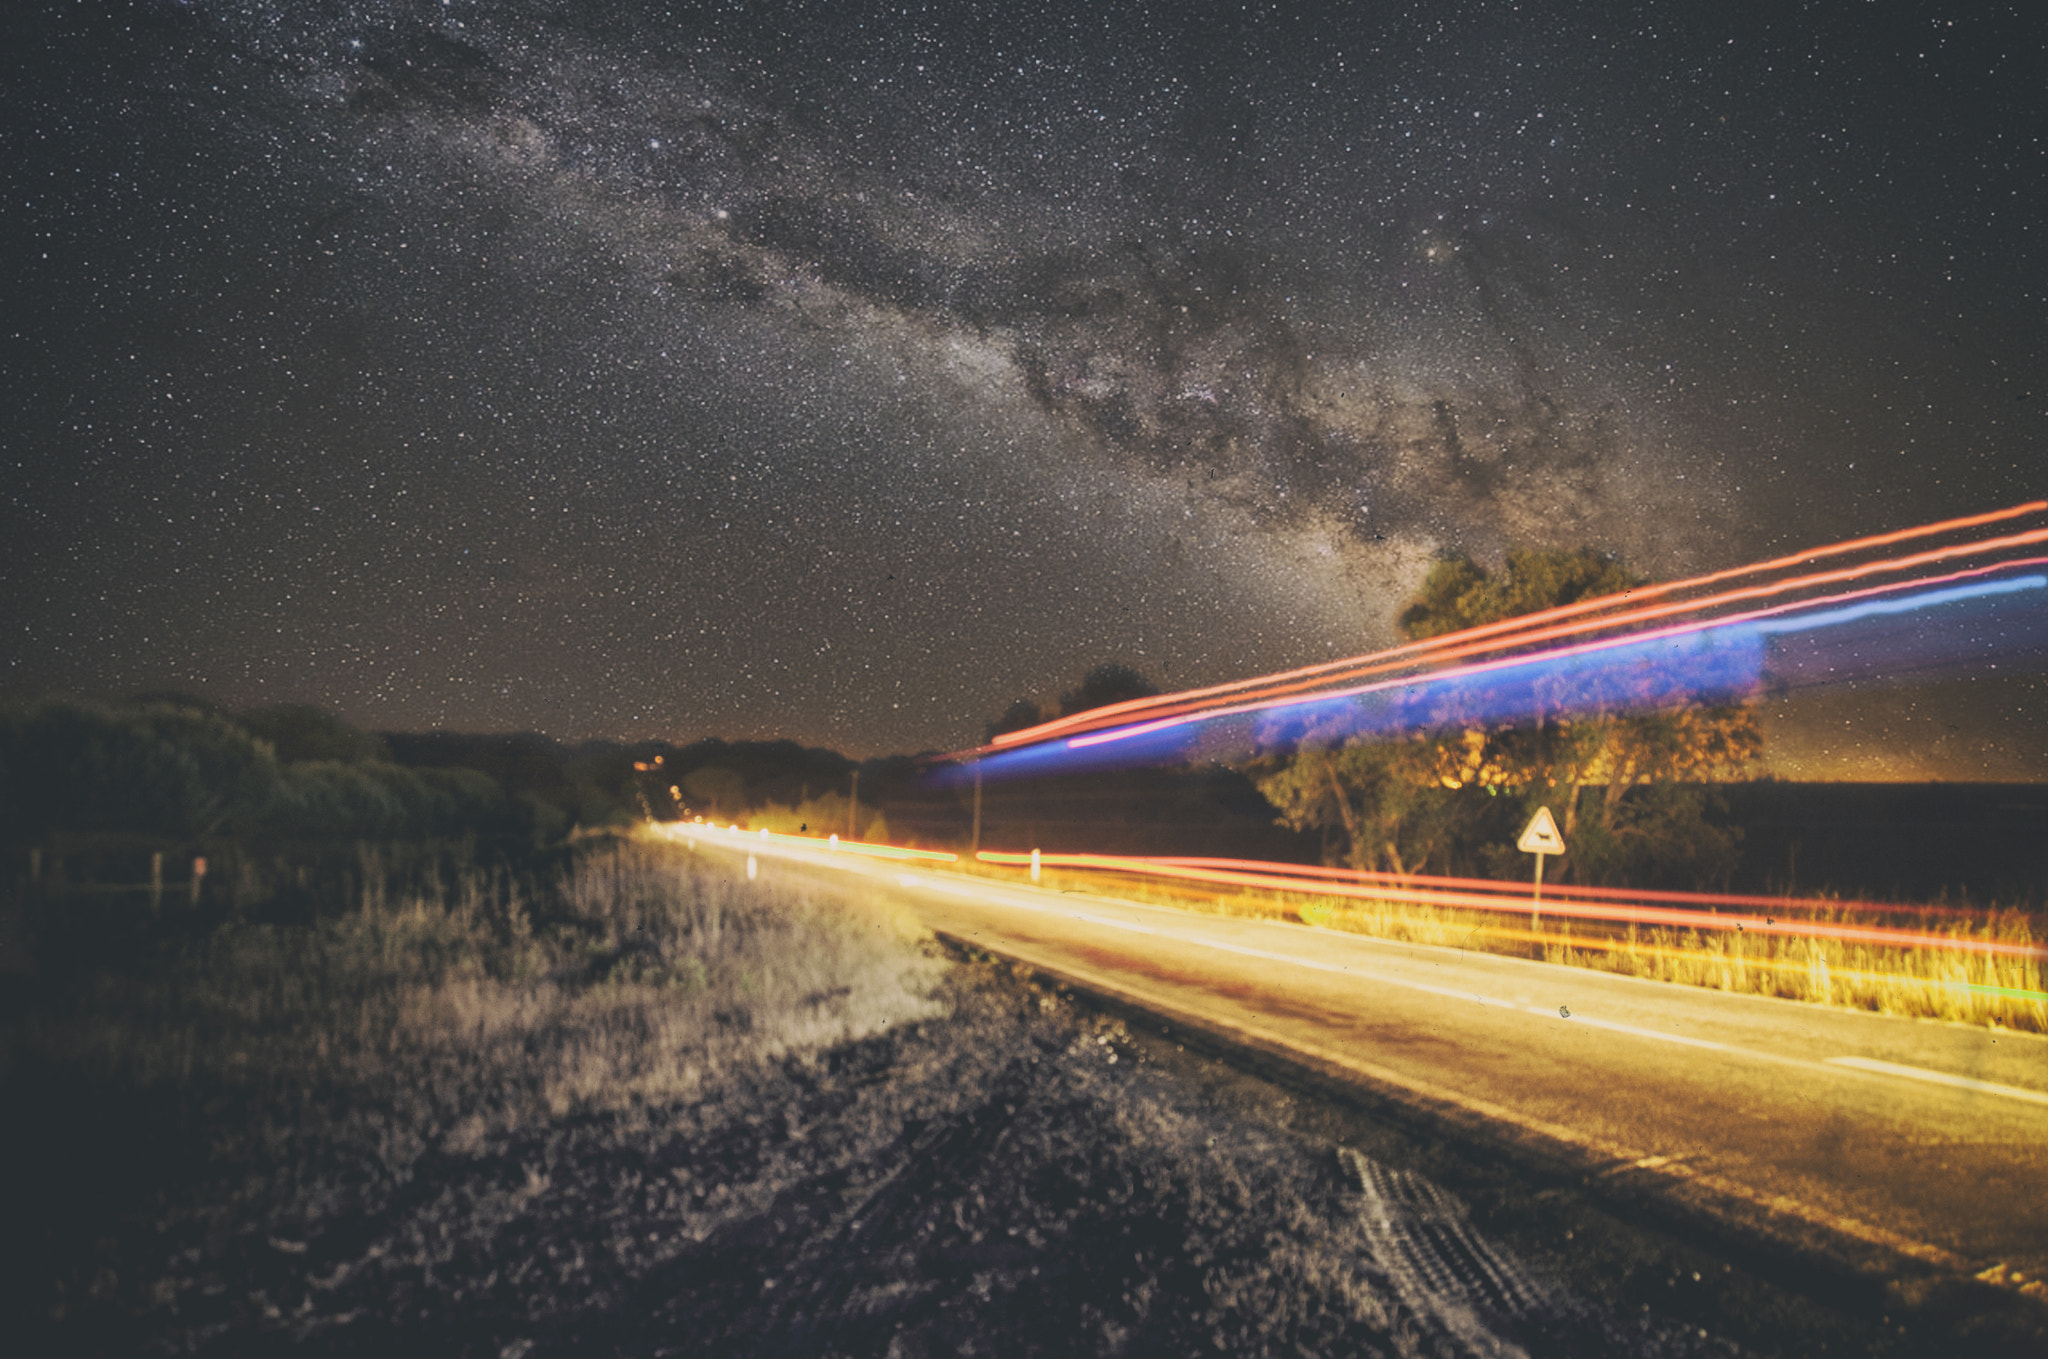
(853,807)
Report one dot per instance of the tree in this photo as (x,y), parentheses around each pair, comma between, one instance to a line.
(154,769)
(1459,593)
(1374,804)
(1414,802)
(1020,714)
(1105,684)
(300,731)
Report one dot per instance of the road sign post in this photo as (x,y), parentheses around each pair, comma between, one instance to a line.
(1539,837)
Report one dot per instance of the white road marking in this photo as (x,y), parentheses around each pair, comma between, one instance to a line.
(1450,993)
(1940,1078)
(1658,1034)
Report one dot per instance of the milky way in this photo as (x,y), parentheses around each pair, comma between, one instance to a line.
(843,371)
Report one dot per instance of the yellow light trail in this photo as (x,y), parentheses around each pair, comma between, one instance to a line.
(1286,880)
(1277,879)
(684,830)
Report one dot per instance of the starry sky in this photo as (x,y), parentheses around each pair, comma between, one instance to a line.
(843,370)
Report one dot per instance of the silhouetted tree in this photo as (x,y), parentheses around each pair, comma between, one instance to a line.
(156,769)
(1104,685)
(300,731)
(1020,714)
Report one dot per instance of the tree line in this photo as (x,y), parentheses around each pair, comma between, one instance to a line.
(174,768)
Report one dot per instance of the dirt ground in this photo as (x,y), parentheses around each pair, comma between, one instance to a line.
(1019,1177)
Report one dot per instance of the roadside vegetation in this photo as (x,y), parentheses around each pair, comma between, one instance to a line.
(321,1061)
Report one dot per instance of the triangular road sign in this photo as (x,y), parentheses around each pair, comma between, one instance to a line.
(1541,835)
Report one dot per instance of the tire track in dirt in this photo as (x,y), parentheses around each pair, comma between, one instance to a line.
(1442,1269)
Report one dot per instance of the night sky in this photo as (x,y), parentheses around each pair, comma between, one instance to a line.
(842,371)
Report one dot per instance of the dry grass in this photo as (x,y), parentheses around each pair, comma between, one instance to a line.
(652,974)
(827,814)
(1928,983)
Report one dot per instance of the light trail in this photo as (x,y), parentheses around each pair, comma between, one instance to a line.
(1525,628)
(1256,700)
(1565,891)
(686,830)
(1594,943)
(1480,894)
(1625,914)
(1728,659)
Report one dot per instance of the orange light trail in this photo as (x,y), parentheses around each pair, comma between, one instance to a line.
(1251,701)
(1258,703)
(1564,892)
(1582,910)
(1301,879)
(1528,628)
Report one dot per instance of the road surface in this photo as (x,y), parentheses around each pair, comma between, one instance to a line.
(1864,1135)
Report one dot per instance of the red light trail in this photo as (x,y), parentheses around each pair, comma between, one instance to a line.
(1641,648)
(1260,703)
(1531,628)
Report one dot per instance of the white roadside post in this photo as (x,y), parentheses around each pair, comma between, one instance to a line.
(1539,837)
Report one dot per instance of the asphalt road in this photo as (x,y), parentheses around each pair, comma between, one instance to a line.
(1839,1130)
